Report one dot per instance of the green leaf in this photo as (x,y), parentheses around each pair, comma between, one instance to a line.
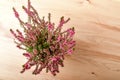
(30,49)
(39,40)
(40,47)
(46,45)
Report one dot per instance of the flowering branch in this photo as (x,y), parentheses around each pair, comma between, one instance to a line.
(44,44)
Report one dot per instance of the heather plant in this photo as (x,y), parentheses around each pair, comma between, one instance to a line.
(44,43)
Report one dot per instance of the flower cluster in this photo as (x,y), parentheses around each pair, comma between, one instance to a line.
(44,43)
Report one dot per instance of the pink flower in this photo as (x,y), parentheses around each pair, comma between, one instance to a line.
(59,38)
(29,3)
(30,13)
(72,43)
(20,33)
(35,51)
(53,59)
(50,26)
(65,42)
(70,51)
(28,55)
(62,21)
(70,32)
(28,25)
(61,46)
(16,13)
(27,65)
(19,46)
(20,38)
(13,33)
(33,37)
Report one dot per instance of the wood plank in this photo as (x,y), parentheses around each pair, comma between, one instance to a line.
(97,25)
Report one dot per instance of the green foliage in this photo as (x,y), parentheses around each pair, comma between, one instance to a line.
(45,45)
(30,49)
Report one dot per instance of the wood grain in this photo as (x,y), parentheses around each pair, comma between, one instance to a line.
(97,53)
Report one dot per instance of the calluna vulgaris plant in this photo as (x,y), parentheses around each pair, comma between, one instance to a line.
(45,44)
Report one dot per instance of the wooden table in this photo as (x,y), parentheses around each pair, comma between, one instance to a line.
(97,26)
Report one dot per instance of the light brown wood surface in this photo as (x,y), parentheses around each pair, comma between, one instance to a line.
(97,26)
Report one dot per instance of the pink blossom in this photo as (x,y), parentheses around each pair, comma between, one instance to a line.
(62,21)
(50,26)
(19,46)
(53,59)
(16,13)
(70,32)
(33,37)
(28,25)
(20,38)
(28,55)
(72,43)
(65,42)
(35,51)
(27,65)
(20,33)
(61,47)
(69,51)
(30,13)
(59,38)
(13,33)
(29,3)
